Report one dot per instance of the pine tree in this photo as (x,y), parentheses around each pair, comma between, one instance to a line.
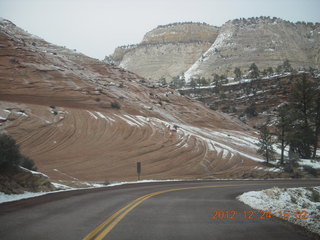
(283,128)
(287,66)
(265,144)
(316,122)
(303,102)
(254,71)
(238,74)
(217,81)
(269,70)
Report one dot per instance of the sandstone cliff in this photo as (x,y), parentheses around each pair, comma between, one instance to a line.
(166,51)
(200,50)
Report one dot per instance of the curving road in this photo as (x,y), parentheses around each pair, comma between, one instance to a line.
(171,210)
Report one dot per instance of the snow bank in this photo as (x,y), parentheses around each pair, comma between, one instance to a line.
(293,200)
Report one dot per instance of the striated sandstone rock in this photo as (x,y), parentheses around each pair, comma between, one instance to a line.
(64,120)
(166,51)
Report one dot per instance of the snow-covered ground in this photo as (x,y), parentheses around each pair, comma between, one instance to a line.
(302,204)
(309,162)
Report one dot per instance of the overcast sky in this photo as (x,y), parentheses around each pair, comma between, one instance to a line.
(97,27)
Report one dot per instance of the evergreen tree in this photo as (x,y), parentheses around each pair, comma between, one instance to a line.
(316,122)
(269,70)
(265,144)
(217,82)
(238,74)
(283,128)
(9,152)
(254,71)
(279,69)
(193,83)
(286,67)
(303,104)
(178,82)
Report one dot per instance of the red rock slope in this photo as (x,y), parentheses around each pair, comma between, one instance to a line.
(57,104)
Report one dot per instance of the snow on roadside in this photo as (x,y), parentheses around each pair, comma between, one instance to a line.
(14,197)
(293,200)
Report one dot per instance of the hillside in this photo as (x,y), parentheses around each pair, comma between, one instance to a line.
(80,118)
(265,41)
(166,51)
(252,101)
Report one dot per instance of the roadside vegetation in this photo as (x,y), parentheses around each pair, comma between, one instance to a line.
(10,156)
(297,126)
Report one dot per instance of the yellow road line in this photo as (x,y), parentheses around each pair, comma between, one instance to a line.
(109,219)
(104,228)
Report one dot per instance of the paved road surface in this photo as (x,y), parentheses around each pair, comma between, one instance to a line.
(172,210)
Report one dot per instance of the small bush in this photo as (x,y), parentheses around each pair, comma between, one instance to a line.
(315,196)
(9,152)
(115,105)
(14,60)
(288,168)
(251,111)
(98,99)
(10,156)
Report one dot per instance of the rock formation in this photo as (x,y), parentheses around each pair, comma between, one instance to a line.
(166,51)
(196,50)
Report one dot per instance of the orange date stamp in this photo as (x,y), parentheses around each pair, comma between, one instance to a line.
(264,215)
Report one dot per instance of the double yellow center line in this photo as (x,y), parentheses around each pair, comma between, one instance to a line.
(104,228)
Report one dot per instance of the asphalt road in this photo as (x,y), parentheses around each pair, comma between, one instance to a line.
(171,210)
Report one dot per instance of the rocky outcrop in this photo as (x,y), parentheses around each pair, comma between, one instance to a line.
(166,51)
(19,180)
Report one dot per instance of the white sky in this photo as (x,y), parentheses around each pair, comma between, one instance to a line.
(97,27)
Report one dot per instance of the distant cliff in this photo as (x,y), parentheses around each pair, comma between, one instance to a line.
(264,41)
(166,51)
(200,50)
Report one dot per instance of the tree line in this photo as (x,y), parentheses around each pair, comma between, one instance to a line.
(217,80)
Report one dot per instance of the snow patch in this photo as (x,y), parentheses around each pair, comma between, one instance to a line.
(14,197)
(278,200)
(219,43)
(34,172)
(105,117)
(92,115)
(309,162)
